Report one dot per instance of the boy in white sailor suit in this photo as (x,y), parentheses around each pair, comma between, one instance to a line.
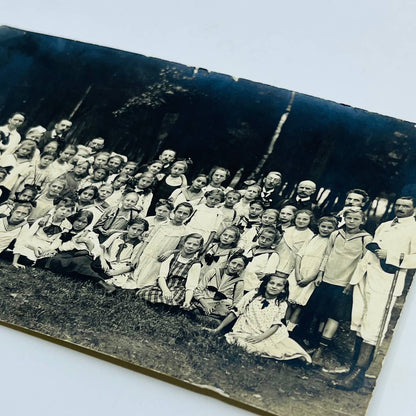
(393,248)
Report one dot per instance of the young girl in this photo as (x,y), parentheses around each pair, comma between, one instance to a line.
(164,238)
(253,218)
(119,253)
(115,219)
(75,176)
(193,194)
(155,167)
(100,203)
(293,240)
(263,258)
(28,194)
(307,264)
(162,212)
(14,224)
(144,190)
(218,253)
(61,165)
(217,176)
(38,239)
(250,194)
(221,287)
(119,187)
(115,162)
(178,276)
(251,235)
(86,196)
(99,177)
(207,218)
(175,179)
(74,251)
(229,213)
(129,170)
(286,217)
(331,301)
(259,328)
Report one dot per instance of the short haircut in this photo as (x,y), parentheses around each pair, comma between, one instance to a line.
(215,168)
(257,202)
(213,192)
(355,210)
(89,216)
(186,205)
(331,220)
(21,113)
(27,205)
(139,221)
(53,154)
(164,203)
(233,191)
(361,192)
(408,198)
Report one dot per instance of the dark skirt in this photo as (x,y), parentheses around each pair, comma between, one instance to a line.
(175,284)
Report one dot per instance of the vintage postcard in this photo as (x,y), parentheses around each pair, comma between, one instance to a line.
(241,240)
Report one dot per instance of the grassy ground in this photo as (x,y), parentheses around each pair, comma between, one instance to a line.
(171,343)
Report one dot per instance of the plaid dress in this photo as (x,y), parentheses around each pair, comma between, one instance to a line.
(177,281)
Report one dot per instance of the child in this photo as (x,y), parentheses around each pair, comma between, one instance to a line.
(331,301)
(293,240)
(221,287)
(193,193)
(14,224)
(115,162)
(28,194)
(227,209)
(250,194)
(263,258)
(178,276)
(86,197)
(259,328)
(61,165)
(74,251)
(253,218)
(100,160)
(99,177)
(144,190)
(175,179)
(218,253)
(116,218)
(75,176)
(119,186)
(207,218)
(100,203)
(217,176)
(38,239)
(4,192)
(162,212)
(307,263)
(164,238)
(155,167)
(249,237)
(286,217)
(129,170)
(119,253)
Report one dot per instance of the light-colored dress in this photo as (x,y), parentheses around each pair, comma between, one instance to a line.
(255,315)
(311,255)
(205,220)
(164,238)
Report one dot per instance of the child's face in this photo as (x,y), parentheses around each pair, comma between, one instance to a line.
(99,174)
(255,211)
(231,199)
(251,193)
(155,168)
(268,218)
(325,228)
(191,245)
(199,183)
(167,156)
(114,163)
(51,147)
(213,200)
(218,177)
(66,154)
(100,160)
(228,237)
(81,169)
(104,192)
(286,215)
(55,188)
(145,181)
(177,170)
(45,161)
(162,212)
(24,150)
(181,214)
(129,201)
(353,221)
(266,240)
(86,196)
(63,212)
(18,215)
(235,266)
(275,286)
(302,221)
(79,224)
(26,195)
(128,169)
(119,182)
(134,231)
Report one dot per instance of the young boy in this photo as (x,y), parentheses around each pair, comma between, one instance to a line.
(254,216)
(331,302)
(230,214)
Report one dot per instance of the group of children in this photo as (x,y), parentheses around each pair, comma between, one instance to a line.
(202,247)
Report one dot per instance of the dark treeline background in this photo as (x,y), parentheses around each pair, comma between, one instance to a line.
(142,105)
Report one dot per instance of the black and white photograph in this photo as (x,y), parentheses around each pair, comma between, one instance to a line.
(251,242)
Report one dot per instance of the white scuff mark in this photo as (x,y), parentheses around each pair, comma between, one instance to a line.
(212,388)
(196,69)
(235,78)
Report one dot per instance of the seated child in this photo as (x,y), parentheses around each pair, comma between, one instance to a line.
(192,194)
(250,194)
(253,218)
(162,212)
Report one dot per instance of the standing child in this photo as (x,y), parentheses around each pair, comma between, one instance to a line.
(75,176)
(61,165)
(227,209)
(307,263)
(28,194)
(293,240)
(263,258)
(119,187)
(178,276)
(144,190)
(253,218)
(192,194)
(99,177)
(164,238)
(116,218)
(259,328)
(331,301)
(207,217)
(250,194)
(217,176)
(100,204)
(115,162)
(162,212)
(129,169)
(286,217)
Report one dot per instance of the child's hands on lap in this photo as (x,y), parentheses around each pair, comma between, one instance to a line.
(254,338)
(167,294)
